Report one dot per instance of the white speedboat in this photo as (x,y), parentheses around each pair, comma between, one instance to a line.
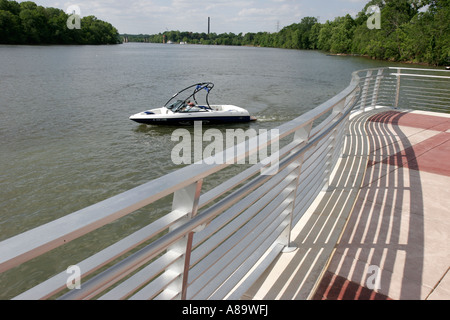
(188,111)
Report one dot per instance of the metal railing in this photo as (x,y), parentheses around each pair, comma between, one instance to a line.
(215,245)
(409,88)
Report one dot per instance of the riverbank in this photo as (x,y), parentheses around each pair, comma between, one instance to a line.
(412,63)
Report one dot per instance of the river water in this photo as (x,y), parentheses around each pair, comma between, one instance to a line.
(66,141)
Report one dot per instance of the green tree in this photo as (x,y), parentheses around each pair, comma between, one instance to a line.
(324,39)
(9,28)
(96,32)
(342,34)
(314,36)
(28,23)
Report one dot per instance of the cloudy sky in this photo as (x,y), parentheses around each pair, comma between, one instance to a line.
(155,16)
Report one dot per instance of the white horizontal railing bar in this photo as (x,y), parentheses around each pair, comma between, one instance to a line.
(229,242)
(232,213)
(229,185)
(308,179)
(428,95)
(420,76)
(314,188)
(426,83)
(309,173)
(431,92)
(261,267)
(431,89)
(155,287)
(242,177)
(207,271)
(131,285)
(254,256)
(416,97)
(202,251)
(249,256)
(168,294)
(207,283)
(229,214)
(418,69)
(309,170)
(251,213)
(50,287)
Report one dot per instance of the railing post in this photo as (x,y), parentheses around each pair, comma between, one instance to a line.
(187,200)
(350,101)
(377,88)
(301,137)
(365,90)
(397,95)
(338,111)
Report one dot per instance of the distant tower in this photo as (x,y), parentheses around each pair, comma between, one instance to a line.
(209,25)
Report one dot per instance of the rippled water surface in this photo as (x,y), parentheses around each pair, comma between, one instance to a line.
(67,143)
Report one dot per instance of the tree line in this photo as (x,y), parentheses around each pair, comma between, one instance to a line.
(411,31)
(28,23)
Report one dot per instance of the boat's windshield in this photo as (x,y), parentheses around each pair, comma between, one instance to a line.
(176,105)
(197,88)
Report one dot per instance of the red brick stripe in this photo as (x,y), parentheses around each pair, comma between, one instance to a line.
(413,120)
(334,287)
(432,155)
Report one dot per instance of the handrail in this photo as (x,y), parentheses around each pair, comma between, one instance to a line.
(209,235)
(417,88)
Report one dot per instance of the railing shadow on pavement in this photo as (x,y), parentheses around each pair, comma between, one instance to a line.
(386,229)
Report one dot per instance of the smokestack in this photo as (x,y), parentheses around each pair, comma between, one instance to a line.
(209,25)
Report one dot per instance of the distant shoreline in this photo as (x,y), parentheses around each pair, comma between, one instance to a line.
(324,52)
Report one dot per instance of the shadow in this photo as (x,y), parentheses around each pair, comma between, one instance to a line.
(386,229)
(363,238)
(294,276)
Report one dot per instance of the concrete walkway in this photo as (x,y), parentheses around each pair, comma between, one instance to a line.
(385,220)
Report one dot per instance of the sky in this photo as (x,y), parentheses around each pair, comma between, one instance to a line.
(157,16)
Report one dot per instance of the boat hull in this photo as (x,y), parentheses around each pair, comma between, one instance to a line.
(216,114)
(192,120)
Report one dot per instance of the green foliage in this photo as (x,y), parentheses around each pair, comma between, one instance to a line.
(411,30)
(407,32)
(28,23)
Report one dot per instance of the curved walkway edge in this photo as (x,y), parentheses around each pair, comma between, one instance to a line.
(382,229)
